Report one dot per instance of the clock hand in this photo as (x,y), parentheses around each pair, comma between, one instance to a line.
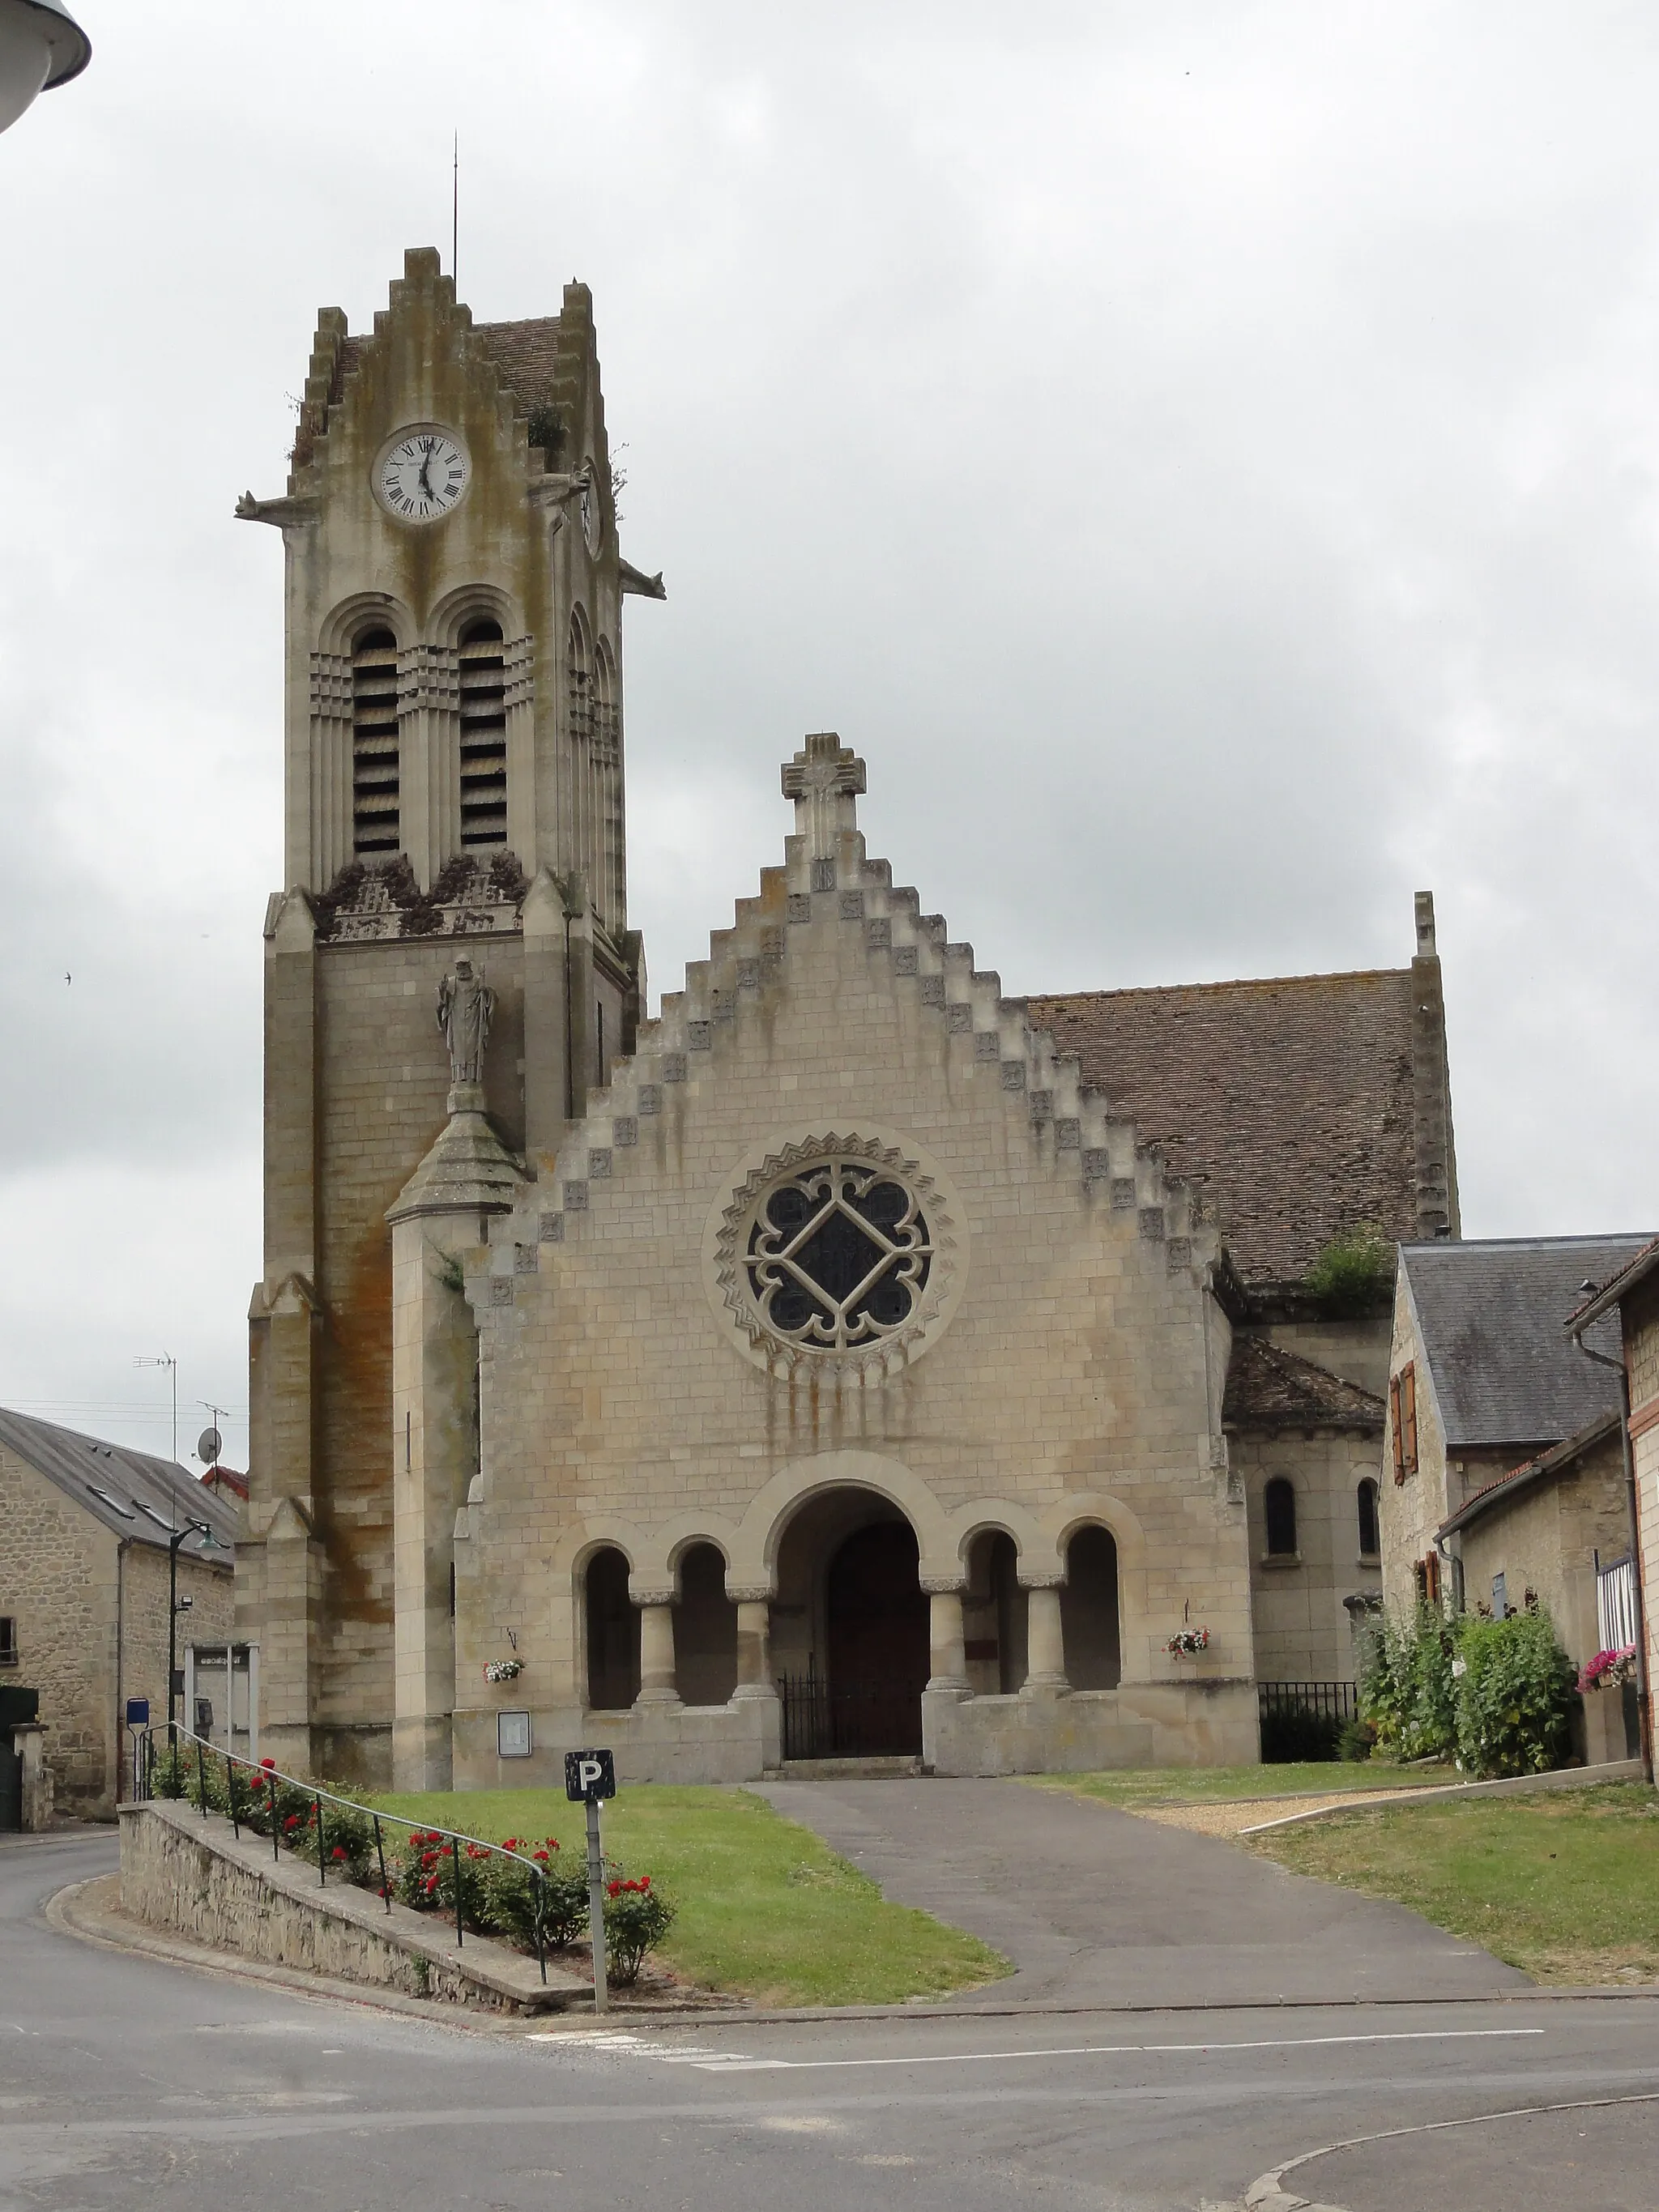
(425,481)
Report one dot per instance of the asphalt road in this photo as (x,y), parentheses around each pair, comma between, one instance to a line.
(125,2082)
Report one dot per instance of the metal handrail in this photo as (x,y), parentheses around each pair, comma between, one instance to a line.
(263,1772)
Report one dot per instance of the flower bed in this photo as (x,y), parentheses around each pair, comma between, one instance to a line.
(520,1890)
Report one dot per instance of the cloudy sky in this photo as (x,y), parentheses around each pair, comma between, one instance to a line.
(1204,458)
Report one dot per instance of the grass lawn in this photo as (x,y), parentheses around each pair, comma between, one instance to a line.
(765,1909)
(1205,1785)
(1565,1886)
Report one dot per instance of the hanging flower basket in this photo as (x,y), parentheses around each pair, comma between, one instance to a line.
(1608,1670)
(503,1670)
(1187,1642)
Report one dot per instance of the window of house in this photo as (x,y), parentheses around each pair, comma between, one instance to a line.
(1402,1420)
(374,780)
(1500,1596)
(1278,1506)
(484,736)
(8,1641)
(1369,1534)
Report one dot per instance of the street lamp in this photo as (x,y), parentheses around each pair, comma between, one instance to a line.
(41,47)
(175,1604)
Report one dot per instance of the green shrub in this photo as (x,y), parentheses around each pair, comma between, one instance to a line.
(515,1898)
(1406,1688)
(1291,1733)
(1515,1695)
(636,1918)
(1352,1271)
(1357,1741)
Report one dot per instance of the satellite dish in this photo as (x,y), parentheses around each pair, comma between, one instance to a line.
(209,1445)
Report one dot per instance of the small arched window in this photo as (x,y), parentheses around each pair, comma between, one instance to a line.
(1369,1533)
(1279,1505)
(484,736)
(374,782)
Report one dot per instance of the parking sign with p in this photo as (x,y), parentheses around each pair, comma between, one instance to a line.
(589,1777)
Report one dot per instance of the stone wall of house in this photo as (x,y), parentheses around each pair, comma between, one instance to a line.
(208,1584)
(58,1576)
(1546,1541)
(68,1581)
(1414,1509)
(1304,1631)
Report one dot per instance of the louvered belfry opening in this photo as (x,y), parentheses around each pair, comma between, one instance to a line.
(374,744)
(484,735)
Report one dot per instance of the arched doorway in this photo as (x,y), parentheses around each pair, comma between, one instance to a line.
(1088,1612)
(613,1633)
(849,1628)
(878,1657)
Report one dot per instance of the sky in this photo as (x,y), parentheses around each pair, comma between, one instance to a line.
(1204,459)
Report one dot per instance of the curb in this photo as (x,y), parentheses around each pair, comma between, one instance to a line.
(90,1912)
(1511,1785)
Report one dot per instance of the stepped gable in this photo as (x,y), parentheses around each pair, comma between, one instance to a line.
(827,882)
(1293,1096)
(536,362)
(1269,1387)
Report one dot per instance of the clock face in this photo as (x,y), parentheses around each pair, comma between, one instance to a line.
(592,515)
(422,476)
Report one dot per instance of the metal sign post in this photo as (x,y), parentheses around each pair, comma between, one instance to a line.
(590,1776)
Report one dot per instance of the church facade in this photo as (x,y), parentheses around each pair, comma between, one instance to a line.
(852,1361)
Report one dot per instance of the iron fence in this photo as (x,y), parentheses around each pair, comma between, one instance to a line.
(852,1720)
(1302,1720)
(191,1767)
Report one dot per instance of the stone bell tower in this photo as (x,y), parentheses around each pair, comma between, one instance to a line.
(453,769)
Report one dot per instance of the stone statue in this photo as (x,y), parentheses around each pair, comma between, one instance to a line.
(466,1004)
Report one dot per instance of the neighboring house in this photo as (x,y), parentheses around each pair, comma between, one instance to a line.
(1552,1529)
(1304,1444)
(1483,1387)
(85,1531)
(1629,1296)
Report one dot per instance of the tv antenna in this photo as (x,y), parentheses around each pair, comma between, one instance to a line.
(455,210)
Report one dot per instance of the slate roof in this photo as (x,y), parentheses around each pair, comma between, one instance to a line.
(1269,1387)
(137,1497)
(525,355)
(1491,1317)
(1559,1459)
(1293,1095)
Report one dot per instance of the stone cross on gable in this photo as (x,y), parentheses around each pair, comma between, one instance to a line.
(824,781)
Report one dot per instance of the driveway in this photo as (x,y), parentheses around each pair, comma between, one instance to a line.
(1098,1908)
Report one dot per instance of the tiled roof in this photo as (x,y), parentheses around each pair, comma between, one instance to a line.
(140,1497)
(1559,1459)
(1491,1316)
(1607,1295)
(525,355)
(1269,1387)
(1293,1095)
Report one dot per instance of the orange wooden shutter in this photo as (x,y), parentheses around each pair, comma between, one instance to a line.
(1409,1398)
(1395,1430)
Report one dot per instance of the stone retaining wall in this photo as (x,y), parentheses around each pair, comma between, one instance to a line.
(180,1869)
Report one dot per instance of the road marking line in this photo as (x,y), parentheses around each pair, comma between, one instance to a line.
(733,2062)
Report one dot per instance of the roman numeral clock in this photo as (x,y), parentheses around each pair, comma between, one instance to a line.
(422,475)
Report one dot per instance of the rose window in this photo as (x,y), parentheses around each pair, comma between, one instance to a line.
(838,1255)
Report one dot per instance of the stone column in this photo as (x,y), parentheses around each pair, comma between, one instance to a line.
(754,1642)
(658,1684)
(948,1668)
(1044,1643)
